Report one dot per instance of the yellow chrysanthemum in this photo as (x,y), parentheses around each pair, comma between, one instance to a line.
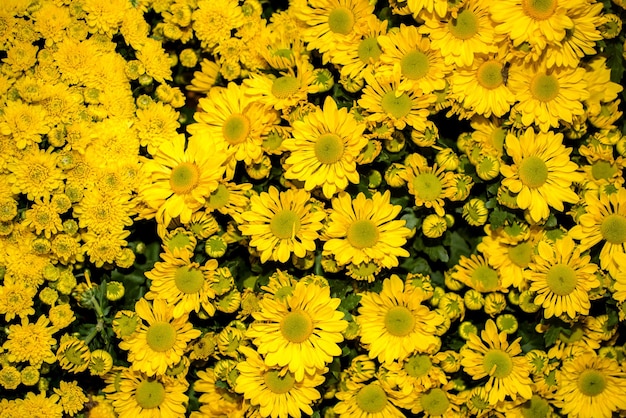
(277,393)
(16,299)
(161,340)
(281,223)
(562,278)
(393,324)
(179,178)
(25,123)
(430,186)
(71,397)
(363,230)
(366,400)
(475,272)
(156,124)
(213,21)
(301,332)
(40,406)
(103,212)
(216,400)
(35,173)
(324,148)
(491,355)
(591,387)
(31,342)
(542,173)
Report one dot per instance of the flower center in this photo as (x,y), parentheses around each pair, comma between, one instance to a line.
(236,129)
(328,148)
(296,326)
(544,87)
(285,224)
(561,279)
(464,26)
(398,107)
(285,86)
(533,172)
(277,383)
(75,356)
(498,363)
(539,9)
(188,279)
(363,234)
(179,240)
(149,394)
(490,74)
(418,365)
(613,229)
(486,277)
(435,402)
(184,178)
(603,170)
(399,321)
(371,399)
(521,254)
(414,65)
(161,336)
(427,186)
(591,382)
(341,20)
(536,407)
(369,50)
(219,198)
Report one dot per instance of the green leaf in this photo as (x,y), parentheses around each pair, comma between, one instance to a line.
(437,253)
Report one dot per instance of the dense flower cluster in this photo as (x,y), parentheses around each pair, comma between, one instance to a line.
(337,208)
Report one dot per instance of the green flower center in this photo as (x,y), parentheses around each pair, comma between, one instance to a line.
(296,326)
(277,383)
(533,172)
(179,240)
(75,355)
(285,87)
(363,234)
(521,254)
(539,9)
(399,321)
(341,20)
(464,26)
(188,279)
(328,148)
(285,224)
(490,74)
(161,336)
(427,186)
(414,65)
(219,198)
(498,363)
(398,107)
(236,129)
(371,399)
(536,407)
(418,365)
(126,325)
(435,402)
(591,382)
(544,87)
(369,50)
(184,178)
(486,278)
(603,170)
(150,394)
(561,279)
(613,229)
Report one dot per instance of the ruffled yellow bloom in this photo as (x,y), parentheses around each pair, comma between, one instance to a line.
(31,342)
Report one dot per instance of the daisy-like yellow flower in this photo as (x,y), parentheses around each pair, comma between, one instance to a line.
(161,339)
(363,230)
(604,221)
(462,36)
(179,179)
(215,399)
(324,148)
(277,393)
(490,355)
(475,272)
(301,331)
(427,7)
(562,278)
(548,96)
(430,185)
(366,400)
(234,121)
(542,172)
(384,103)
(282,223)
(393,324)
(590,386)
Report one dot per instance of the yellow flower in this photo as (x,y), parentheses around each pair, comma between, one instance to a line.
(213,21)
(35,173)
(31,342)
(300,332)
(25,123)
(365,230)
(430,186)
(476,273)
(103,212)
(366,400)
(161,339)
(542,173)
(16,299)
(71,397)
(105,17)
(156,61)
(491,355)
(393,324)
(324,149)
(156,124)
(40,405)
(276,392)
(73,354)
(215,399)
